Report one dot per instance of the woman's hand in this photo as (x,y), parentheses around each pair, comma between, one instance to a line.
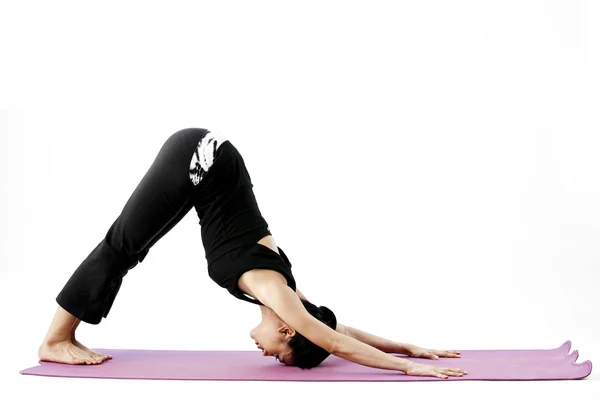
(418,352)
(416,369)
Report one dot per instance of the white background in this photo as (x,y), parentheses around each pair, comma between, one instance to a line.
(430,168)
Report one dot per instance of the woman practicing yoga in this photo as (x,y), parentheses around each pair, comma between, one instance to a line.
(201,169)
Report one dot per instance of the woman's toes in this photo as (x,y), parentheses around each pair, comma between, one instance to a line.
(86,357)
(99,357)
(102,357)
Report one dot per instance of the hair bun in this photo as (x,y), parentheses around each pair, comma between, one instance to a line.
(329,317)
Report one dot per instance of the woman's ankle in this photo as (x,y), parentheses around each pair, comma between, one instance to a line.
(56,338)
(62,327)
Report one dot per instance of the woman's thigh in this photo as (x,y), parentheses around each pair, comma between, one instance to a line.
(161,198)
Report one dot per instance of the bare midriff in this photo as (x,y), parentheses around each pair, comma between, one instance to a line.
(269,242)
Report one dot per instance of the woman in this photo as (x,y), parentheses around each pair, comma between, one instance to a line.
(199,168)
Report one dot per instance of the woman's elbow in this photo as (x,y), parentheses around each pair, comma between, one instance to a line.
(334,343)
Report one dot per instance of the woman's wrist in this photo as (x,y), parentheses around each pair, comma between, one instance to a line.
(403,364)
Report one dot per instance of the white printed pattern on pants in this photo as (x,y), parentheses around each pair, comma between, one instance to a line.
(204,155)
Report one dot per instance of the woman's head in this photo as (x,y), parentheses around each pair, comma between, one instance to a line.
(277,339)
(307,354)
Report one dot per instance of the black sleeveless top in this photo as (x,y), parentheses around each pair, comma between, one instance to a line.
(231,223)
(227,270)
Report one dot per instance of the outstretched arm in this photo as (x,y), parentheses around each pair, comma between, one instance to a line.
(389,346)
(287,305)
(385,345)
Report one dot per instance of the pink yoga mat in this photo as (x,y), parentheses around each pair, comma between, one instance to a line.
(494,365)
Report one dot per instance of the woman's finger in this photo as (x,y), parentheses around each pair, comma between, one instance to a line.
(454,373)
(455,370)
(447,353)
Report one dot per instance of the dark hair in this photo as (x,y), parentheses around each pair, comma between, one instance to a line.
(306,354)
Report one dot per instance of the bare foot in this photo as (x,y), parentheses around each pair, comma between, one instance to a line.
(65,352)
(98,356)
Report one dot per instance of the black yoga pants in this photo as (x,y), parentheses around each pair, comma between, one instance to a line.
(161,199)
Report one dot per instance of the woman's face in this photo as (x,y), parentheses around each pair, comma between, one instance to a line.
(271,337)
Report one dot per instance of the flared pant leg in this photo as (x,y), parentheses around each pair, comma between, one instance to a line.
(161,199)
